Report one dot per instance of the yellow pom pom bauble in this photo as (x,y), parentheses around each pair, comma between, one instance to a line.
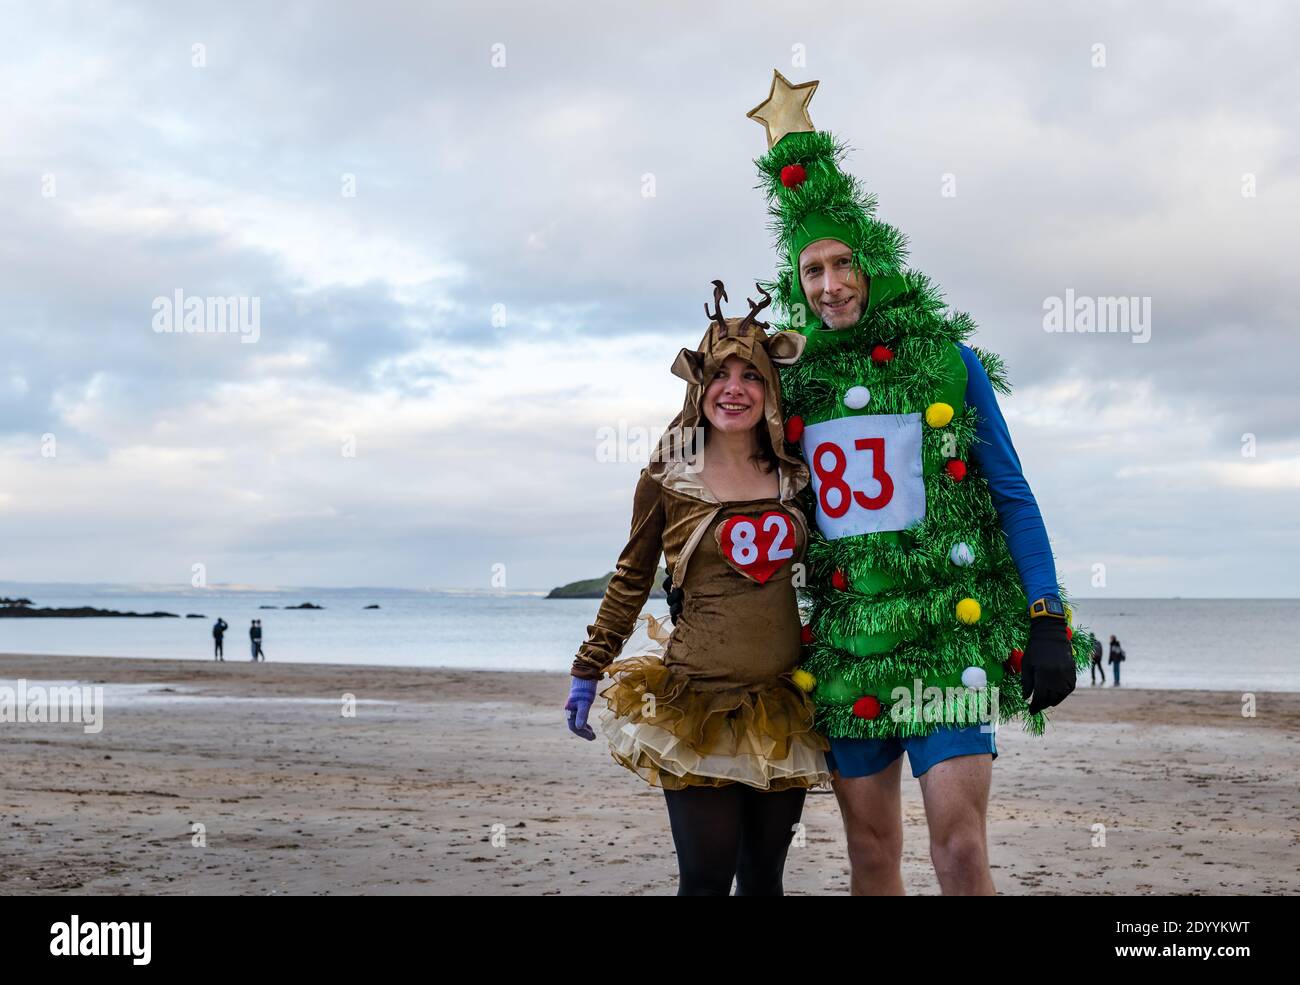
(938,415)
(968,611)
(804,681)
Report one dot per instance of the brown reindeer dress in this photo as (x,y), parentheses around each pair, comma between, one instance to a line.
(715,702)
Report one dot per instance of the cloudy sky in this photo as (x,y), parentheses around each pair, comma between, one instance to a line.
(478,236)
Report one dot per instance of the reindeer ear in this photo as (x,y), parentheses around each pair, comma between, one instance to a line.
(785,348)
(688,365)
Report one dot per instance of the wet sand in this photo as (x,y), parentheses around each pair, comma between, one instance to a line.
(467,782)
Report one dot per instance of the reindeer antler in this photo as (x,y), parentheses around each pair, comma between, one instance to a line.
(719,295)
(754,309)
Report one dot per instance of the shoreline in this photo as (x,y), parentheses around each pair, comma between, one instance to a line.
(135,666)
(467,782)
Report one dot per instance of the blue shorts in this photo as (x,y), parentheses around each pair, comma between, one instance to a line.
(863,757)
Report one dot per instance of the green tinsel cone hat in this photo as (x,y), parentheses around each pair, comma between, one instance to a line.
(810,197)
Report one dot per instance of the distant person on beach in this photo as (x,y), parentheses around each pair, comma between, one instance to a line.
(1116,658)
(218,638)
(255,638)
(714,713)
(1097,668)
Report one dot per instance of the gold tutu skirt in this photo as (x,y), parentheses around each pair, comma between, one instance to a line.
(674,735)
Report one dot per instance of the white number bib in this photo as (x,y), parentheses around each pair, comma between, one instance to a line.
(866,472)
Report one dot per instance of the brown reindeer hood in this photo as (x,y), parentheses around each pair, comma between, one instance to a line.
(747,338)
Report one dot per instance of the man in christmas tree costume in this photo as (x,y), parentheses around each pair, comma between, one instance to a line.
(933,606)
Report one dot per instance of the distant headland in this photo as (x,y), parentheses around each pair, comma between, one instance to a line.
(594,588)
(23,609)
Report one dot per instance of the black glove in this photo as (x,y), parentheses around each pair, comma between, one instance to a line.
(1048,670)
(674,599)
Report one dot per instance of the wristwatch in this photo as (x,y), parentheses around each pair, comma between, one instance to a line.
(1046,606)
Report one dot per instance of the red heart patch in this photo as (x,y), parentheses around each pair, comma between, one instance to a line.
(757,546)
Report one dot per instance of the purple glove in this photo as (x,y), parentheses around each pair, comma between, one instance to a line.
(581,694)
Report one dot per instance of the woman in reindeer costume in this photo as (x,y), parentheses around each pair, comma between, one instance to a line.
(716,716)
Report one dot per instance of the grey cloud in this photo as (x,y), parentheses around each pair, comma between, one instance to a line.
(522,187)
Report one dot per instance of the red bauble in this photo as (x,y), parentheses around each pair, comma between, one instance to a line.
(794,429)
(956,468)
(839,581)
(805,635)
(1015,660)
(866,707)
(881,354)
(1069,633)
(793,175)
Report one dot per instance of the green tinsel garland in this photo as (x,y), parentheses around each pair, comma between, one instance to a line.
(924,586)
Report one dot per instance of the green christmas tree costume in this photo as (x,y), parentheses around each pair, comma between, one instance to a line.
(909,576)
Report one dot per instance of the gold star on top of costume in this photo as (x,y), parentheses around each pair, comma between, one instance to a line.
(785,110)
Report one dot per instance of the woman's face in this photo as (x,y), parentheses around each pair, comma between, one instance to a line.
(733,399)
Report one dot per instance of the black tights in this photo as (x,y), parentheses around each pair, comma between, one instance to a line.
(732,831)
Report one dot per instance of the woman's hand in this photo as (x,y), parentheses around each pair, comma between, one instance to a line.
(581,695)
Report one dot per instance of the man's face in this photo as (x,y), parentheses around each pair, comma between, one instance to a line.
(833,285)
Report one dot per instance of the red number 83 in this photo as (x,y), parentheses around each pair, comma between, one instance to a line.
(833,478)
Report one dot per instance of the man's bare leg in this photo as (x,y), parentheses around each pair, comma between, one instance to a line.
(872,809)
(956,794)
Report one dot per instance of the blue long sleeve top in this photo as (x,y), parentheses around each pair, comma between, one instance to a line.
(996,457)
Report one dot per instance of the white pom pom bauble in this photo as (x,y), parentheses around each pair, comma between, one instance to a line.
(961,554)
(975,678)
(857,397)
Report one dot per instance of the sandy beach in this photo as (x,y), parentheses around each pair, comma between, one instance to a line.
(467,782)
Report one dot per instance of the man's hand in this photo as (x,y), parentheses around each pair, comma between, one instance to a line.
(1047,672)
(674,599)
